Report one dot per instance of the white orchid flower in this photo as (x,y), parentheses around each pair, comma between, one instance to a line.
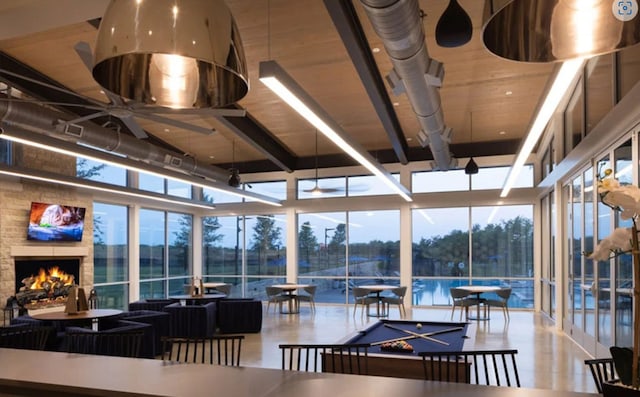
(619,240)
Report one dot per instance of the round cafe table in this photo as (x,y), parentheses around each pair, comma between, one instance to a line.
(91,315)
(478,290)
(377,289)
(289,289)
(198,299)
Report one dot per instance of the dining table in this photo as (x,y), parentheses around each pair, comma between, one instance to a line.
(377,289)
(477,291)
(290,289)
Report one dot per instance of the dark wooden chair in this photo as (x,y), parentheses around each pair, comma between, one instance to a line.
(217,349)
(602,370)
(26,337)
(336,358)
(480,367)
(122,344)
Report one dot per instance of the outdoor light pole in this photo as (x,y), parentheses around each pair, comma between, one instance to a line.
(326,247)
(238,230)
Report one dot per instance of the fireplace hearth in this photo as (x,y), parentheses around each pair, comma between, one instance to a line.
(45,282)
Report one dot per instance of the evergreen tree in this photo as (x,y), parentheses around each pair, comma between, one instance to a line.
(183,235)
(339,237)
(307,241)
(266,236)
(210,226)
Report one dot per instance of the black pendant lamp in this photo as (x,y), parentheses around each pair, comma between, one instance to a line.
(471,168)
(454,27)
(234,173)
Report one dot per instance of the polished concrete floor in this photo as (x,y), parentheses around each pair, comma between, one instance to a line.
(547,359)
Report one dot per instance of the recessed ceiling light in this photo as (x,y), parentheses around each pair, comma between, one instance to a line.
(502,132)
(212,157)
(375,50)
(396,104)
(167,130)
(508,93)
(409,139)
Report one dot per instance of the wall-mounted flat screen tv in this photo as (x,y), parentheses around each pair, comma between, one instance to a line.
(55,222)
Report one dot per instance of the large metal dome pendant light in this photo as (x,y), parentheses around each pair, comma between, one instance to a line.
(559,30)
(172,53)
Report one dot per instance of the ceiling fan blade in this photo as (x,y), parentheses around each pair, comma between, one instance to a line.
(454,27)
(85,118)
(175,123)
(83,49)
(324,190)
(216,112)
(134,127)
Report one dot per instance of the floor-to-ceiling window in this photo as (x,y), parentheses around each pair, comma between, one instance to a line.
(604,224)
(340,250)
(165,252)
(322,255)
(623,269)
(110,255)
(248,252)
(477,245)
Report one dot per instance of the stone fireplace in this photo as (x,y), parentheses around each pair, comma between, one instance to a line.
(44,274)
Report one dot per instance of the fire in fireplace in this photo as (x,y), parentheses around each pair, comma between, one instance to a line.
(45,282)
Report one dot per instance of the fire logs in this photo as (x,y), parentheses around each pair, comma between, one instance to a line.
(45,289)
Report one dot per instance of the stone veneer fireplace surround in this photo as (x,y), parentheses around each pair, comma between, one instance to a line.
(49,253)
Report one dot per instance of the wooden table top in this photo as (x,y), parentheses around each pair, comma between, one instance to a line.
(65,374)
(85,315)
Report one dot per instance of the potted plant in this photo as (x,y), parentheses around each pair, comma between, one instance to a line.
(626,200)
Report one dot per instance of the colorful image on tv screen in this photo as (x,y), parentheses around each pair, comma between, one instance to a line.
(55,222)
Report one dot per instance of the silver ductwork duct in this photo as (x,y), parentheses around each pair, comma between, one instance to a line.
(399,25)
(36,118)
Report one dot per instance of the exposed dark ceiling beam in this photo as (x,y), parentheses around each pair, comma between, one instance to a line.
(255,134)
(477,149)
(346,20)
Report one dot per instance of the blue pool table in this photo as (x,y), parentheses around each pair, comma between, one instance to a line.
(459,336)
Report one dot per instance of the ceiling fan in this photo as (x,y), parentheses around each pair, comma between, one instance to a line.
(318,191)
(125,111)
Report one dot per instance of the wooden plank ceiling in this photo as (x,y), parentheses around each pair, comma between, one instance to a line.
(301,36)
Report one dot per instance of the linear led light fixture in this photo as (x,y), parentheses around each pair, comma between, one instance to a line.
(41,141)
(561,84)
(50,177)
(274,77)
